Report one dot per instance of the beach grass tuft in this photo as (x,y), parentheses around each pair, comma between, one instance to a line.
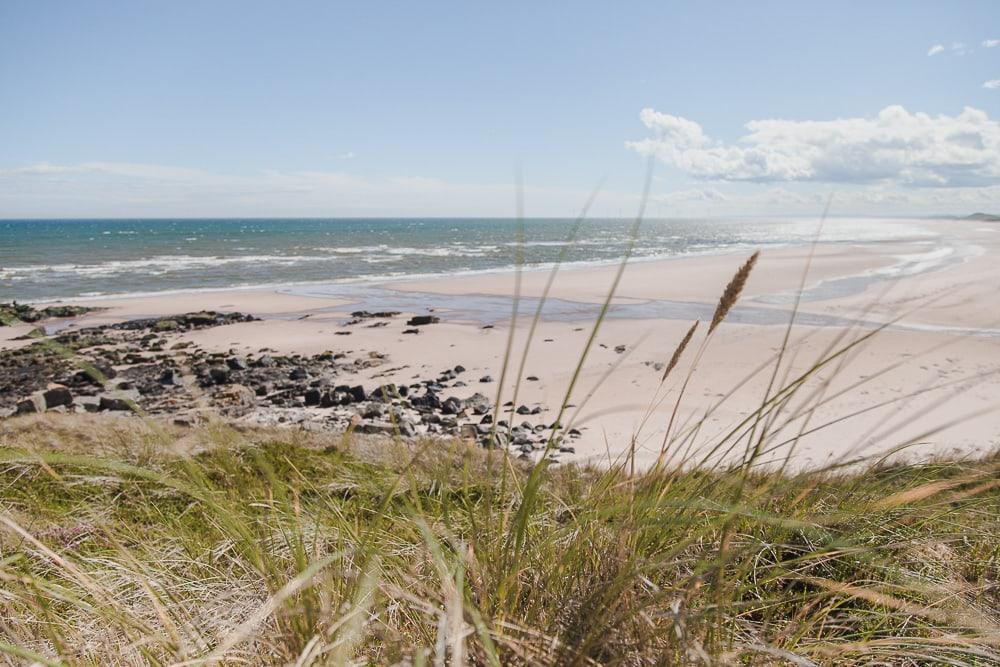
(273,547)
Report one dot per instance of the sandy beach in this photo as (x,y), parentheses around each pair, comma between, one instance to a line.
(927,383)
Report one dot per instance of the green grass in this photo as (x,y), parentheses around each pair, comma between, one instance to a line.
(276,547)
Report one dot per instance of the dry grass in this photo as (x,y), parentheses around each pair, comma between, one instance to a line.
(277,547)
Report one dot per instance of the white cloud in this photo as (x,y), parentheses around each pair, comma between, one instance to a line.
(896,146)
(990,43)
(956,48)
(992,84)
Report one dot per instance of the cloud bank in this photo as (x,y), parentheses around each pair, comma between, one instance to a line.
(894,147)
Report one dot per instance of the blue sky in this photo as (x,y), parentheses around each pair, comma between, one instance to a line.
(321,108)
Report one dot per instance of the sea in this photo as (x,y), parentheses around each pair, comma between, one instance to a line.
(43,260)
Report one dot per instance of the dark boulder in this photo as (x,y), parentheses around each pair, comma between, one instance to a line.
(218,375)
(56,397)
(114,404)
(170,376)
(236,364)
(421,320)
(32,404)
(312,397)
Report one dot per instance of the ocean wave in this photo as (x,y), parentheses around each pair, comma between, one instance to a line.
(159,265)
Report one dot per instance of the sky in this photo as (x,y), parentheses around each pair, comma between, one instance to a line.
(235,109)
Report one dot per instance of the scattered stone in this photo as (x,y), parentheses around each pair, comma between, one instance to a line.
(15,313)
(57,396)
(364,314)
(422,320)
(218,375)
(619,348)
(110,403)
(31,405)
(170,377)
(236,364)
(411,331)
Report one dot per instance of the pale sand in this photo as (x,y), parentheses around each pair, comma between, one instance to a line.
(938,391)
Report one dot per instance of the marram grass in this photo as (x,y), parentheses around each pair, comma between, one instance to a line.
(279,547)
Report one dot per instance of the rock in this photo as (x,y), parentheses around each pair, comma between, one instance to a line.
(358,393)
(57,396)
(36,332)
(479,404)
(422,320)
(486,379)
(237,395)
(236,364)
(451,406)
(111,403)
(386,393)
(532,378)
(567,450)
(171,377)
(376,428)
(406,427)
(364,314)
(33,404)
(469,431)
(312,397)
(619,348)
(218,375)
(374,411)
(459,369)
(411,331)
(95,374)
(524,410)
(298,373)
(166,325)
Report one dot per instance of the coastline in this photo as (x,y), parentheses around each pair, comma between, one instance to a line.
(949,374)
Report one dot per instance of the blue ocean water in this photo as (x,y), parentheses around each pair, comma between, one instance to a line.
(49,259)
